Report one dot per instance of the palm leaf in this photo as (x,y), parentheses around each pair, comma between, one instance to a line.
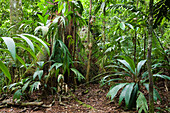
(11,46)
(129,61)
(38,73)
(38,40)
(35,86)
(127,65)
(126,93)
(78,74)
(27,49)
(57,65)
(5,70)
(162,76)
(22,62)
(28,42)
(141,103)
(140,64)
(113,91)
(25,86)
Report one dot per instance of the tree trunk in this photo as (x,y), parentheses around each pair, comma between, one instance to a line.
(90,44)
(151,101)
(104,26)
(15,15)
(15,18)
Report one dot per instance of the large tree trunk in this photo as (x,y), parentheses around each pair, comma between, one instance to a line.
(151,101)
(15,14)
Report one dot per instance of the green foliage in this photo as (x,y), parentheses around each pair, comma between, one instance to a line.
(17,95)
(5,70)
(124,20)
(38,73)
(130,92)
(26,86)
(141,103)
(126,93)
(131,69)
(11,46)
(79,76)
(62,57)
(113,91)
(122,26)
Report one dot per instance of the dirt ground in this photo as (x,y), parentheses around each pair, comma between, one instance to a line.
(91,100)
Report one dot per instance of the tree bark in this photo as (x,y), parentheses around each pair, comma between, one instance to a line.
(149,63)
(90,44)
(15,15)
(104,26)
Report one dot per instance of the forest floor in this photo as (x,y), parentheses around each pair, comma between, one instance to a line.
(91,100)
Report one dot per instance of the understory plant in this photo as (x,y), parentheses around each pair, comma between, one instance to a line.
(62,61)
(131,80)
(15,46)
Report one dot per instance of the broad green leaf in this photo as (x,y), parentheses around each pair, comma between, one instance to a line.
(40,49)
(126,93)
(28,42)
(41,64)
(5,70)
(45,19)
(35,86)
(11,46)
(78,74)
(37,29)
(127,65)
(122,95)
(162,76)
(133,96)
(41,18)
(113,91)
(141,103)
(166,77)
(109,49)
(25,86)
(64,48)
(27,49)
(39,41)
(140,64)
(129,61)
(43,28)
(122,26)
(38,73)
(45,11)
(56,65)
(22,62)
(17,94)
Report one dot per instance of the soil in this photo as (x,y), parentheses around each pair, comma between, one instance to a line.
(91,100)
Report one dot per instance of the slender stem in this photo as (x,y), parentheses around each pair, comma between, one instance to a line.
(90,44)
(149,63)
